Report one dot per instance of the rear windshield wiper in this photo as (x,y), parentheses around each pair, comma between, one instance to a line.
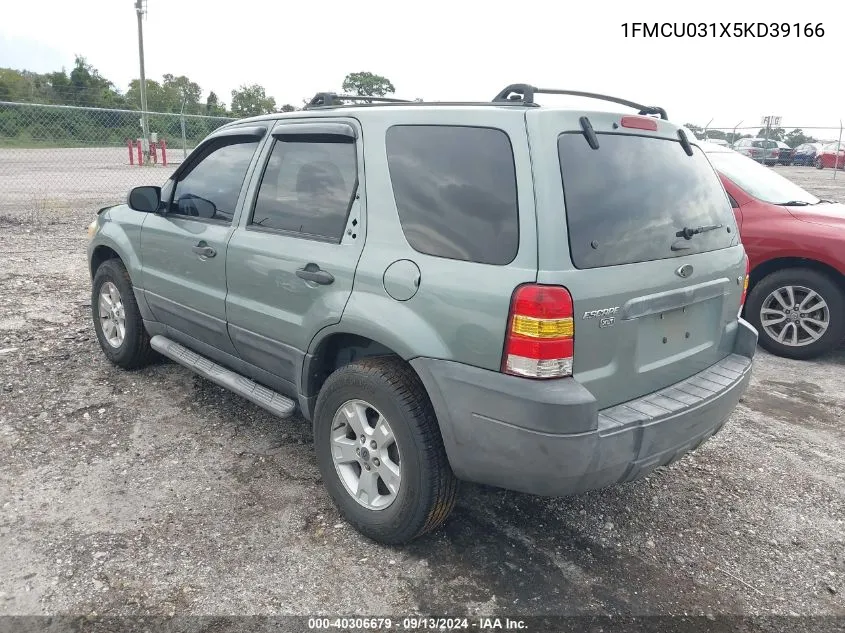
(795,203)
(688,232)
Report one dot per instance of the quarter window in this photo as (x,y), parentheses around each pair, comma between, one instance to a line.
(455,191)
(211,188)
(308,186)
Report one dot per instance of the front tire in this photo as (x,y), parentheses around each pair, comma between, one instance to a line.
(380,452)
(117,319)
(798,312)
(818,163)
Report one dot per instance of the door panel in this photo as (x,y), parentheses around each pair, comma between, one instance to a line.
(291,262)
(184,249)
(185,289)
(273,314)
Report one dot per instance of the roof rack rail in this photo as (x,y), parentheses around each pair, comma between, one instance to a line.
(524,93)
(329,99)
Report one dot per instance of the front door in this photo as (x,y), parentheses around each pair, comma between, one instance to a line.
(291,262)
(184,249)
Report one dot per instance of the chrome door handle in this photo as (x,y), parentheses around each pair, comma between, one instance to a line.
(204,250)
(312,272)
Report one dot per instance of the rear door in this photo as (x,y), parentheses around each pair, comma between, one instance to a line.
(655,302)
(292,260)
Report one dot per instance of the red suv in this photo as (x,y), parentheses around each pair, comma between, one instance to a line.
(827,156)
(796,244)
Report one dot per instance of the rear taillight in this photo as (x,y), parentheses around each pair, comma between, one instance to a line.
(745,282)
(539,340)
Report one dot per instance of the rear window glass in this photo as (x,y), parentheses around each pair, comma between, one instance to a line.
(455,191)
(627,200)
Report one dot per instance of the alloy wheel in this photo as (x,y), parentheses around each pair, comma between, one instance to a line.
(112,314)
(365,454)
(795,315)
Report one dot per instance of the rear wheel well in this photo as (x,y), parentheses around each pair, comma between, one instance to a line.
(100,255)
(782,263)
(336,351)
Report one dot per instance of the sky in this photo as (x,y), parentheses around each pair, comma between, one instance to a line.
(458,50)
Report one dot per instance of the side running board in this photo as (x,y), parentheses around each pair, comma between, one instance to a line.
(262,396)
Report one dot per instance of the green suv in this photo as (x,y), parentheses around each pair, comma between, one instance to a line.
(535,298)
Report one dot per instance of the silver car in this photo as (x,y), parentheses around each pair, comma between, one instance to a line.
(762,150)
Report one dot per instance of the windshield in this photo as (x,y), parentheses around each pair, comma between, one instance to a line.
(759,181)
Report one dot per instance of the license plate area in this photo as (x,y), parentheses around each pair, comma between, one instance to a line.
(672,335)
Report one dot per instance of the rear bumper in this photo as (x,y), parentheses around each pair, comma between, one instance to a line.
(549,438)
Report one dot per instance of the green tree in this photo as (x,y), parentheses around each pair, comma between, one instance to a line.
(251,100)
(695,129)
(213,105)
(366,83)
(797,137)
(182,90)
(88,87)
(287,108)
(158,99)
(775,133)
(59,85)
(84,86)
(13,86)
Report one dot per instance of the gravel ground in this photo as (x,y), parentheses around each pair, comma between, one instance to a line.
(155,492)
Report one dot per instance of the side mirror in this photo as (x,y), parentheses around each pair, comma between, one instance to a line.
(145,199)
(194,206)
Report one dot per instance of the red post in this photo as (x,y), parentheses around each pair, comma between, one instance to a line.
(163,153)
(140,154)
(153,153)
(131,157)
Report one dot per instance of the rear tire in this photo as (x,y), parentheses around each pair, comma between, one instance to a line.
(129,346)
(383,389)
(818,163)
(763,304)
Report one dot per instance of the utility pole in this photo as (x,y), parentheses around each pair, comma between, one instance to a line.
(140,10)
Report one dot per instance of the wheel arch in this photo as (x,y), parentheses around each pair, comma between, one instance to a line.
(101,254)
(770,266)
(333,351)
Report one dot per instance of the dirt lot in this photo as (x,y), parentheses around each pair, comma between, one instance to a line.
(155,492)
(49,182)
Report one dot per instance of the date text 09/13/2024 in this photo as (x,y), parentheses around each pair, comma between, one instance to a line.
(417,623)
(722,29)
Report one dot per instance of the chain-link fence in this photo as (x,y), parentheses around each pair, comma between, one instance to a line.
(59,158)
(823,137)
(54,158)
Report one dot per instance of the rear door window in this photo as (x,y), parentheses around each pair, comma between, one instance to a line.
(627,201)
(308,187)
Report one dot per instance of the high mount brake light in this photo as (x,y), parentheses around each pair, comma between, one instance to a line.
(639,123)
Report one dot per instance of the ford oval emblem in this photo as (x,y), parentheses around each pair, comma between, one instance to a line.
(684,271)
